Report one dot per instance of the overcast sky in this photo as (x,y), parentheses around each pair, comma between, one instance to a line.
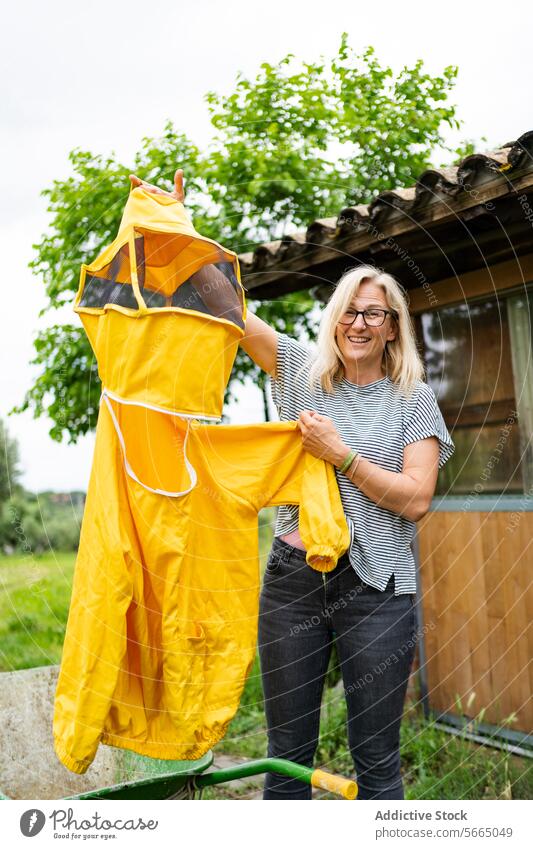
(101,75)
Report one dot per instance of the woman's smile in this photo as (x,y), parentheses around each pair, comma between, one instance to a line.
(358,340)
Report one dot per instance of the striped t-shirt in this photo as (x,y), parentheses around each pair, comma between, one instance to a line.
(378,421)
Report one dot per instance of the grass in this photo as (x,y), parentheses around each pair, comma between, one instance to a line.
(34,599)
(438,765)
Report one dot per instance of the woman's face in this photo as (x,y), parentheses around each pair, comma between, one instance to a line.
(361,344)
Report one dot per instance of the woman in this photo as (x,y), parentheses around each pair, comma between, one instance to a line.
(361,405)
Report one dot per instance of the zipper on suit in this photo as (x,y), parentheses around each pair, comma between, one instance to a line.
(325,597)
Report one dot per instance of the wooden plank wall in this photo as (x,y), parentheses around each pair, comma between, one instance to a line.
(476,573)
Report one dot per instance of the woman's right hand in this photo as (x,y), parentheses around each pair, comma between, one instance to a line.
(177,194)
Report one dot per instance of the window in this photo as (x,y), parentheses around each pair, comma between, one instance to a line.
(478,361)
(111,284)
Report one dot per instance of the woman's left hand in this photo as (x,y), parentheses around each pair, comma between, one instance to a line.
(177,194)
(321,438)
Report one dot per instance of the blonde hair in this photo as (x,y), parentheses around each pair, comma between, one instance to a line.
(401,360)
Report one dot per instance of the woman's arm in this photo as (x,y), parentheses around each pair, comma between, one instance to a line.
(260,341)
(407,493)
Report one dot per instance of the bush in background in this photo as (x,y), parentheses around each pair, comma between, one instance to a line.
(41,522)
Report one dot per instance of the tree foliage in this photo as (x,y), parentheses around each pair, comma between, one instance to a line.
(298,142)
(9,468)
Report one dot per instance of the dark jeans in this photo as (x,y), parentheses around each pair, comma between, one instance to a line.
(301,612)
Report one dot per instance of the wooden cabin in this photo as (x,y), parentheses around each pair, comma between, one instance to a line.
(461,242)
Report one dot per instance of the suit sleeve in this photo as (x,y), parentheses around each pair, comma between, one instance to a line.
(293,476)
(322,522)
(266,466)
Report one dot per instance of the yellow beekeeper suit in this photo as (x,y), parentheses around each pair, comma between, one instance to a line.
(162,624)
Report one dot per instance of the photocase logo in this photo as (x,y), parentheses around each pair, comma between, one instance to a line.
(31,822)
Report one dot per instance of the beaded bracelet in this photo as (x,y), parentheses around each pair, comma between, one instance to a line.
(348,460)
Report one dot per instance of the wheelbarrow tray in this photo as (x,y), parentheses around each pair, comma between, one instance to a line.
(30,768)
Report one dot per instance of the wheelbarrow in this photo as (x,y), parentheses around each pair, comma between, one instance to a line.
(30,768)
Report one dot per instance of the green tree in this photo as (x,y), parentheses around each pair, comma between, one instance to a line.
(298,142)
(9,470)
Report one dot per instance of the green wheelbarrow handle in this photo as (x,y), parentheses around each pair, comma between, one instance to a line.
(344,787)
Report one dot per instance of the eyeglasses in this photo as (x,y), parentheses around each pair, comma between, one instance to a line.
(371,317)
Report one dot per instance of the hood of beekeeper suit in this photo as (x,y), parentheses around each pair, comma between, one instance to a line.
(164,310)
